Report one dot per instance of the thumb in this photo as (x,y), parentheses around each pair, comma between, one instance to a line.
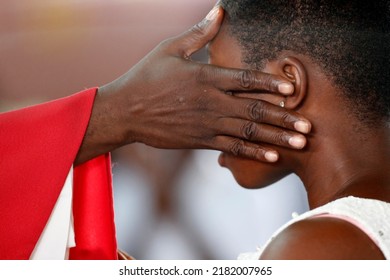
(200,34)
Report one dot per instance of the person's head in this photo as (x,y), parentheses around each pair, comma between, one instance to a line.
(336,53)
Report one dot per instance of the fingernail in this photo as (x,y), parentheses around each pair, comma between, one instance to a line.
(297,142)
(302,126)
(285,88)
(213,13)
(271,156)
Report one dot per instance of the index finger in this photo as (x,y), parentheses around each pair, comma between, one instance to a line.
(231,79)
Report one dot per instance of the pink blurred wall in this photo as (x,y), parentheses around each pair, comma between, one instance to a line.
(50,49)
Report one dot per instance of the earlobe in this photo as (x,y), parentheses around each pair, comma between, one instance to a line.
(294,70)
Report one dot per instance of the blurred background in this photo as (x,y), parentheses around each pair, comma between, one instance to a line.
(169,204)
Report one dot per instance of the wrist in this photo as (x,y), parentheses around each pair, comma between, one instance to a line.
(109,118)
(104,132)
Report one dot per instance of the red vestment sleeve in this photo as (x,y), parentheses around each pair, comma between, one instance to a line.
(38,146)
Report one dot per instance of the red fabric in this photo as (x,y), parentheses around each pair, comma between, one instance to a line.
(37,148)
(93,211)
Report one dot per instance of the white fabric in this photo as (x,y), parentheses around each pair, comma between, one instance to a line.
(58,235)
(372,215)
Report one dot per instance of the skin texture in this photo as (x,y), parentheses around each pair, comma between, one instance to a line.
(169,101)
(308,238)
(343,157)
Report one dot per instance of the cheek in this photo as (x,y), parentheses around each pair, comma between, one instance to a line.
(251,174)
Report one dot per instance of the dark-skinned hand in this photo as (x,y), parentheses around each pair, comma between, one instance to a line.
(168,101)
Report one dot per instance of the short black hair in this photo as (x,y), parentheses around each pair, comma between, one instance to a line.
(348,39)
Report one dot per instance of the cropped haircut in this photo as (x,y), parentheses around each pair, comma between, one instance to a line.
(349,40)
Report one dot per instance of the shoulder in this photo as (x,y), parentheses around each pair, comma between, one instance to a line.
(322,238)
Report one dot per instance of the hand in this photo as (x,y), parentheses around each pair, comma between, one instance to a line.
(168,101)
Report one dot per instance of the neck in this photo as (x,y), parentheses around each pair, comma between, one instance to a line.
(343,161)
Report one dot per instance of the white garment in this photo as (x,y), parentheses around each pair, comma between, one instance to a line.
(372,216)
(58,235)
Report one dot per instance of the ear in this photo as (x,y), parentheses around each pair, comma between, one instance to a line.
(294,70)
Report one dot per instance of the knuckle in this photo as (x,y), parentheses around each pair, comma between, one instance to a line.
(236,147)
(282,138)
(246,79)
(197,30)
(267,82)
(256,110)
(203,75)
(257,153)
(286,120)
(253,153)
(248,130)
(279,138)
